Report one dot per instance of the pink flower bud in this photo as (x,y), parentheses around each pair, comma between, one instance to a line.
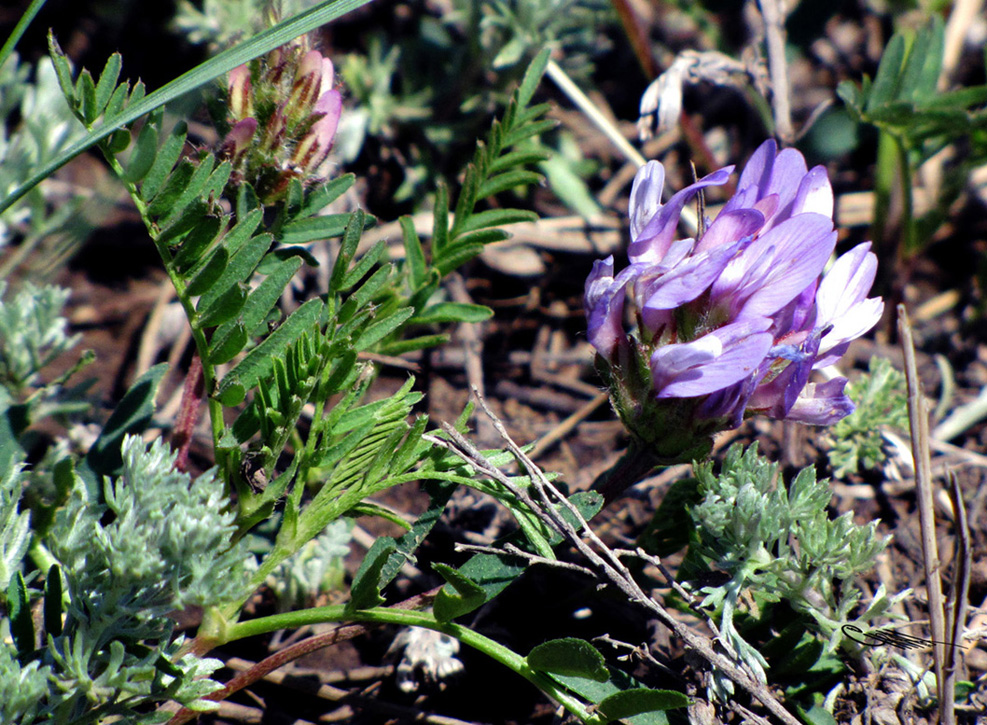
(241,93)
(314,148)
(308,83)
(238,140)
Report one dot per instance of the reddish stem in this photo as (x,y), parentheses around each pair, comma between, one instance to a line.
(188,414)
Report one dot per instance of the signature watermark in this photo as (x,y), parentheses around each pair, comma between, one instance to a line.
(889,638)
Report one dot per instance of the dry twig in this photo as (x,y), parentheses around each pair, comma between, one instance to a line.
(605,562)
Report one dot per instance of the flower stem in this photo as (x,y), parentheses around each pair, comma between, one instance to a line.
(633,466)
(408,618)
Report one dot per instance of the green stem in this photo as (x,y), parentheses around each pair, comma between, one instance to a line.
(907,204)
(407,618)
(15,35)
(633,466)
(201,344)
(885,177)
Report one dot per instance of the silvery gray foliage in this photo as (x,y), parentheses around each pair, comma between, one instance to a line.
(32,333)
(167,545)
(45,127)
(161,541)
(315,569)
(15,526)
(22,689)
(779,543)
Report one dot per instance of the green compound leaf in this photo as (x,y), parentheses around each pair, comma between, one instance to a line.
(461,595)
(439,494)
(641,701)
(132,415)
(569,656)
(259,362)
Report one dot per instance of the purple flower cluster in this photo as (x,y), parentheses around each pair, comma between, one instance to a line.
(734,321)
(283,114)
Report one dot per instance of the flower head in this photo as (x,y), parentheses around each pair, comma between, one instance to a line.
(732,322)
(283,113)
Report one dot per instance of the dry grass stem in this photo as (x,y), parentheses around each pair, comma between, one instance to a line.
(918,416)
